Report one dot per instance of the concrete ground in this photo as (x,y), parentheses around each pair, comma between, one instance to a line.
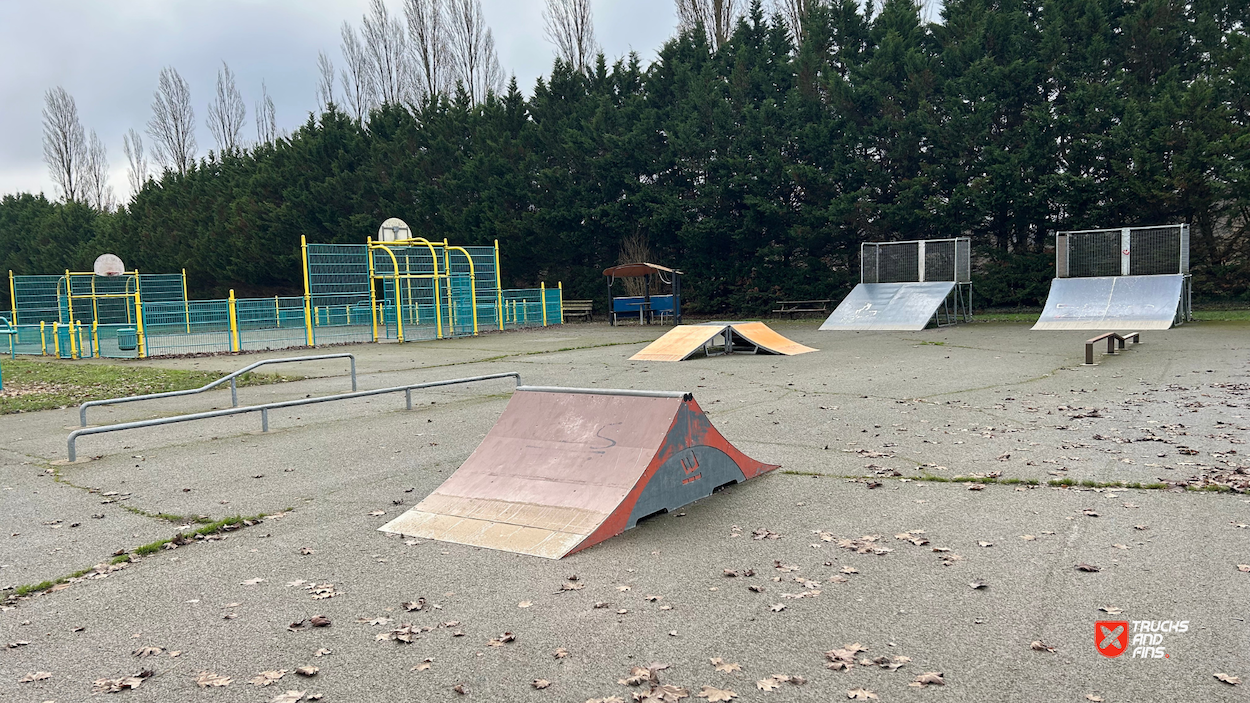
(895,409)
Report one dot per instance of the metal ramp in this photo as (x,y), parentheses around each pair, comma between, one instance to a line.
(895,306)
(566,468)
(1114,302)
(683,341)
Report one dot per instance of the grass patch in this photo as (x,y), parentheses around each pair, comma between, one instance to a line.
(1222,315)
(43,384)
(214,527)
(45,585)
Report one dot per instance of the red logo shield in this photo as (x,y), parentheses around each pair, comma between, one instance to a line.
(1111,637)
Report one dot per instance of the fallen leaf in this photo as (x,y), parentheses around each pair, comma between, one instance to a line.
(1039,646)
(928,678)
(778,607)
(863,694)
(722,665)
(122,684)
(1111,609)
(208,678)
(377,513)
(322,652)
(713,694)
(461,689)
(319,621)
(985,544)
(266,678)
(35,676)
(1230,680)
(849,570)
(288,697)
(501,640)
(1243,567)
(560,653)
(410,606)
(768,684)
(1092,697)
(252,582)
(143,652)
(971,487)
(975,585)
(1088,567)
(307,670)
(540,684)
(1027,538)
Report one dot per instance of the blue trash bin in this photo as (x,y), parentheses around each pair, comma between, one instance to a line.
(127,339)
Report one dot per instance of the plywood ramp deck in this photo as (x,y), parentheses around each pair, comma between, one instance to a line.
(683,341)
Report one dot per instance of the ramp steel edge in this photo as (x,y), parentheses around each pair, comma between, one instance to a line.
(234,391)
(264,409)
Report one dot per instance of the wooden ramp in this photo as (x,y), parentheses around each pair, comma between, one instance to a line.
(683,341)
(566,468)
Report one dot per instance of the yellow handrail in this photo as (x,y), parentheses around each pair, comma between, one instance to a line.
(472,283)
(399,307)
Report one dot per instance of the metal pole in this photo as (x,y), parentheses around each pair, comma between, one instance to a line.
(308,327)
(234,396)
(373,296)
(234,323)
(542,296)
(140,328)
(408,397)
(186,306)
(498,290)
(264,420)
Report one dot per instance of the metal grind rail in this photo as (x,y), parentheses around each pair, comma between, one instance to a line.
(234,390)
(264,409)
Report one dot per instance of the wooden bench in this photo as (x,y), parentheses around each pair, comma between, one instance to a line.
(802,307)
(580,309)
(1112,338)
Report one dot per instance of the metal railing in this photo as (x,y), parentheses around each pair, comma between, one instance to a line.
(265,408)
(1112,338)
(234,390)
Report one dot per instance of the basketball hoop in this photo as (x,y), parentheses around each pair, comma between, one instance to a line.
(393,230)
(109,265)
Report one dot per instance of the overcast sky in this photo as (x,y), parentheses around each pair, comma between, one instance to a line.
(107,54)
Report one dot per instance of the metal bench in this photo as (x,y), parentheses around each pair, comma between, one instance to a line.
(1112,339)
(578,308)
(802,307)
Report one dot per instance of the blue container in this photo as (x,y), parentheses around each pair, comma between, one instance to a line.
(127,339)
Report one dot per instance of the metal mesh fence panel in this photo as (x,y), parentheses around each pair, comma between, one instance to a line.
(1155,250)
(338,274)
(939,260)
(36,299)
(198,326)
(898,262)
(523,307)
(161,287)
(1094,253)
(271,323)
(963,260)
(868,263)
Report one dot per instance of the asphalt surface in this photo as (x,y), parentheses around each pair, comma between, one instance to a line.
(890,408)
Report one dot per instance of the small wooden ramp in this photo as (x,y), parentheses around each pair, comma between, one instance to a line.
(566,468)
(683,341)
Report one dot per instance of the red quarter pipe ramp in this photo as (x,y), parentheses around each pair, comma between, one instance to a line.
(566,468)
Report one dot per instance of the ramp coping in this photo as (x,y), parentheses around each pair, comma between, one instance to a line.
(685,395)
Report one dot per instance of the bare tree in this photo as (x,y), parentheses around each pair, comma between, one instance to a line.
(266,117)
(473,49)
(172,126)
(356,78)
(427,37)
(571,27)
(794,12)
(137,171)
(383,38)
(227,112)
(64,143)
(717,18)
(325,85)
(96,189)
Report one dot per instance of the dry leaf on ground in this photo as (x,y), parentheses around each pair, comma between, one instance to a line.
(713,694)
(1040,646)
(208,678)
(35,676)
(1230,680)
(928,678)
(122,684)
(863,694)
(288,697)
(560,653)
(1088,567)
(540,683)
(727,667)
(307,670)
(266,678)
(147,652)
(501,640)
(1092,697)
(319,621)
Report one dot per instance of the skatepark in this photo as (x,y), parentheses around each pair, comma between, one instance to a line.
(936,492)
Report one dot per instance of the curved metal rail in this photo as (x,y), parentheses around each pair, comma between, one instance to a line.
(234,391)
(264,409)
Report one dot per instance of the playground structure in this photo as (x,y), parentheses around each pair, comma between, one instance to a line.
(684,341)
(566,468)
(401,290)
(645,306)
(908,285)
(1120,278)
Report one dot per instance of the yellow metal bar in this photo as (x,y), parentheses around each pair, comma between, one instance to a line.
(56,339)
(472,285)
(95,308)
(277,313)
(142,337)
(399,308)
(451,308)
(542,297)
(373,296)
(308,328)
(499,310)
(438,313)
(234,324)
(13,297)
(95,337)
(69,297)
(560,285)
(186,306)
